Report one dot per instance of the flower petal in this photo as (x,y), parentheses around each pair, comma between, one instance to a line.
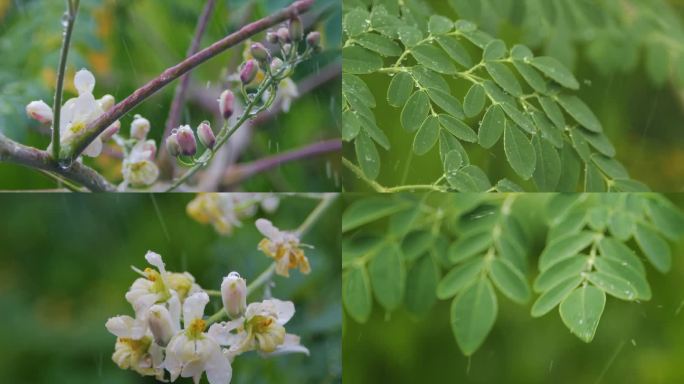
(84,81)
(284,309)
(268,229)
(155,259)
(127,327)
(219,370)
(290,345)
(193,308)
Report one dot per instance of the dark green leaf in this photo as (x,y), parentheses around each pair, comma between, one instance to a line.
(360,60)
(415,111)
(357,294)
(519,151)
(399,89)
(473,314)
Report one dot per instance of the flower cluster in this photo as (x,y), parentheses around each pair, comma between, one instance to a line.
(139,168)
(284,247)
(225,211)
(77,113)
(154,342)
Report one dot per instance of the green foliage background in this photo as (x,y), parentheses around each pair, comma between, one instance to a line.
(641,108)
(634,343)
(126,43)
(65,267)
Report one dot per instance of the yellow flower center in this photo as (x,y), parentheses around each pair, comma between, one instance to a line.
(196,329)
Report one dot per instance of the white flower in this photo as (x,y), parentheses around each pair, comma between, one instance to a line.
(234,295)
(140,127)
(192,351)
(286,93)
(282,246)
(39,111)
(138,167)
(153,289)
(134,348)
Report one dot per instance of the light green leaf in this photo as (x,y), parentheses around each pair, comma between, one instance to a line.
(433,58)
(416,243)
(610,166)
(415,111)
(557,273)
(548,169)
(469,245)
(667,217)
(581,311)
(402,222)
(399,89)
(388,277)
(509,280)
(580,112)
(427,135)
(636,280)
(613,285)
(459,277)
(556,71)
(505,185)
(474,101)
(356,294)
(492,126)
(367,210)
(356,22)
(473,314)
(439,25)
(610,248)
(469,179)
(519,151)
(593,179)
(551,298)
(621,225)
(360,60)
(495,50)
(421,287)
(448,103)
(563,248)
(455,50)
(504,77)
(367,155)
(653,246)
(457,128)
(380,44)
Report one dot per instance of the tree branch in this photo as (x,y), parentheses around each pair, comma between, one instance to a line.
(172,73)
(241,172)
(13,152)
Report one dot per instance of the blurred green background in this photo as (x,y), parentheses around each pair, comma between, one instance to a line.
(126,43)
(606,44)
(635,342)
(65,267)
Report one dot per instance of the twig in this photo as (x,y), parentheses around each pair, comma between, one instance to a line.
(95,128)
(379,188)
(241,172)
(315,214)
(70,19)
(16,153)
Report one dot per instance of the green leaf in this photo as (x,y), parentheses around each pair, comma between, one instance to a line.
(556,71)
(388,277)
(427,136)
(548,131)
(380,44)
(399,89)
(367,155)
(402,222)
(459,277)
(531,76)
(367,210)
(469,245)
(580,112)
(519,151)
(421,287)
(610,248)
(457,128)
(570,170)
(448,143)
(610,166)
(455,50)
(448,103)
(474,101)
(654,247)
(353,85)
(495,50)
(385,23)
(415,111)
(667,217)
(581,311)
(613,285)
(492,126)
(473,314)
(548,169)
(599,141)
(563,248)
(636,280)
(519,118)
(509,280)
(553,111)
(504,77)
(505,185)
(433,58)
(559,272)
(551,298)
(439,25)
(356,294)
(453,161)
(350,126)
(416,243)
(356,22)
(469,179)
(593,179)
(621,225)
(360,60)
(409,35)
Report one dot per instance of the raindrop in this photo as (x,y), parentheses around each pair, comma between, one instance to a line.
(634,342)
(65,19)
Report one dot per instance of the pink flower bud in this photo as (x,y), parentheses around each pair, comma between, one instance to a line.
(259,52)
(296,29)
(39,111)
(110,131)
(186,140)
(283,35)
(313,39)
(276,64)
(248,72)
(206,135)
(226,104)
(172,145)
(234,295)
(272,37)
(140,127)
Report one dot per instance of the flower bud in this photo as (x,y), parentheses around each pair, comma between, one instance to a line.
(39,111)
(226,103)
(172,145)
(276,64)
(140,127)
(106,102)
(186,140)
(272,37)
(161,324)
(296,29)
(286,49)
(149,147)
(313,39)
(259,52)
(248,72)
(283,35)
(110,131)
(206,135)
(234,295)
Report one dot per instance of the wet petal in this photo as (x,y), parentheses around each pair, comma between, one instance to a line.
(84,81)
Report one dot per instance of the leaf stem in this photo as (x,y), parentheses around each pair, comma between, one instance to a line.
(379,188)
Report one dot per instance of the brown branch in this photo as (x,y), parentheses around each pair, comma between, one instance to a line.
(241,172)
(13,152)
(181,68)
